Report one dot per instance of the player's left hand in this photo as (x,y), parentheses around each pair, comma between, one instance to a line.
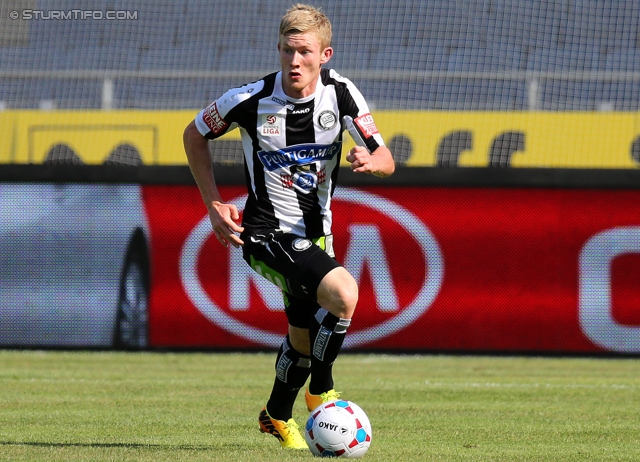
(379,163)
(361,160)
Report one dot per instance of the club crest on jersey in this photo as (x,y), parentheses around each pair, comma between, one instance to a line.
(299,154)
(301,244)
(271,125)
(327,120)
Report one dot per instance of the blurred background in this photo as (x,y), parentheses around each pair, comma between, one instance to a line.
(463,65)
(511,224)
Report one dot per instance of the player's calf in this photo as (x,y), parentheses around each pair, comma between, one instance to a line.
(292,371)
(327,333)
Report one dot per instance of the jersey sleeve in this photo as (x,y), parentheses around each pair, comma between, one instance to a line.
(220,116)
(357,118)
(210,122)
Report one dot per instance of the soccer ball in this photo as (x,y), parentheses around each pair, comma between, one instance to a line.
(338,429)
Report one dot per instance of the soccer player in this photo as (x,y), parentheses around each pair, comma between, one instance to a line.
(291,123)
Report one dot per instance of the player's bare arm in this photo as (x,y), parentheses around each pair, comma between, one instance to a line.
(223,216)
(379,163)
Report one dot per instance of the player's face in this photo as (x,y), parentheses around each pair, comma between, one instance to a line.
(301,56)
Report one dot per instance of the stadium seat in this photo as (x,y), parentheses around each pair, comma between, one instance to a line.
(578,58)
(382,23)
(619,91)
(564,90)
(521,24)
(410,58)
(25,93)
(452,25)
(584,24)
(30,58)
(620,95)
(156,26)
(623,60)
(199,56)
(418,38)
(263,59)
(493,59)
(208,21)
(76,93)
(621,25)
(416,93)
(501,23)
(347,59)
(566,95)
(486,94)
(589,95)
(481,92)
(599,95)
(110,57)
(148,93)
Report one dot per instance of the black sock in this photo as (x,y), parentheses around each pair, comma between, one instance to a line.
(292,371)
(327,332)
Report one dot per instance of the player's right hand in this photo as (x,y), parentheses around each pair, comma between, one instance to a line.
(223,219)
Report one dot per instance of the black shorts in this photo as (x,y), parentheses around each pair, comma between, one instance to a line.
(296,265)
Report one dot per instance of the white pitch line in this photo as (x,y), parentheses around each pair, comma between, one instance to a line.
(612,386)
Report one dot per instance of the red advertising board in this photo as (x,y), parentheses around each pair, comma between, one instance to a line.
(450,269)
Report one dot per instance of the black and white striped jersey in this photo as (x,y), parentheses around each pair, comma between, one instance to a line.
(292,148)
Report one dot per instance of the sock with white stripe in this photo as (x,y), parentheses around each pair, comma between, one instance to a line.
(292,371)
(327,333)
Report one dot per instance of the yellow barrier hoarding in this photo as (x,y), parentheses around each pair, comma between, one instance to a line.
(560,140)
(473,139)
(94,135)
(7,136)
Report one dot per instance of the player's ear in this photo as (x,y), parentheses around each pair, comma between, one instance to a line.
(327,53)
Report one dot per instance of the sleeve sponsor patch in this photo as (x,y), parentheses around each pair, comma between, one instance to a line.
(366,125)
(214,121)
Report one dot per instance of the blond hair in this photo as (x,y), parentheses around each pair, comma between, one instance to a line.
(300,19)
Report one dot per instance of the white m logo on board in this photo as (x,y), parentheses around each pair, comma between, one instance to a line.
(365,250)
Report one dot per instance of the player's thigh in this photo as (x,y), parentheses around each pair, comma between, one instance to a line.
(294,264)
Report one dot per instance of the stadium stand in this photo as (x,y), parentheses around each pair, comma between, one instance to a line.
(495,58)
(622,94)
(34,57)
(101,57)
(440,54)
(621,27)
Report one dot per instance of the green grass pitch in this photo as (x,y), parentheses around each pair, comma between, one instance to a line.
(111,406)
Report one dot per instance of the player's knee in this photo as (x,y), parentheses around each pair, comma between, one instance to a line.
(348,299)
(338,293)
